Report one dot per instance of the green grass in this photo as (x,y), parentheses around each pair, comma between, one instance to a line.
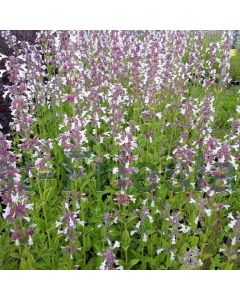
(235,66)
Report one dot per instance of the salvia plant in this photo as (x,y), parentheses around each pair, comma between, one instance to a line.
(123,152)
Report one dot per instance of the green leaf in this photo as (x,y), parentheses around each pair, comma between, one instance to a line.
(86,243)
(131,218)
(133,262)
(122,263)
(193,240)
(125,237)
(14,254)
(25,264)
(206,255)
(142,258)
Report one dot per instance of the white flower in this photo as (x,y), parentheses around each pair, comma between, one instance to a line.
(192,200)
(233,161)
(226,206)
(208,212)
(116,245)
(6,211)
(71,223)
(208,167)
(15,198)
(115,170)
(221,160)
(145,201)
(17,127)
(185,228)
(1,72)
(183,110)
(132,198)
(211,194)
(58,224)
(222,250)
(145,238)
(137,127)
(102,266)
(206,189)
(133,232)
(150,219)
(17,177)
(29,206)
(173,240)
(172,257)
(2,56)
(232,223)
(159,115)
(234,240)
(81,223)
(30,241)
(200,263)
(138,224)
(115,220)
(235,147)
(160,250)
(196,220)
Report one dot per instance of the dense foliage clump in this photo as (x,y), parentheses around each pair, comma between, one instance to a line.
(123,152)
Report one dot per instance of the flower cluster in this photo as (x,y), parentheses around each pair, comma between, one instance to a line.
(127,143)
(131,119)
(15,199)
(67,227)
